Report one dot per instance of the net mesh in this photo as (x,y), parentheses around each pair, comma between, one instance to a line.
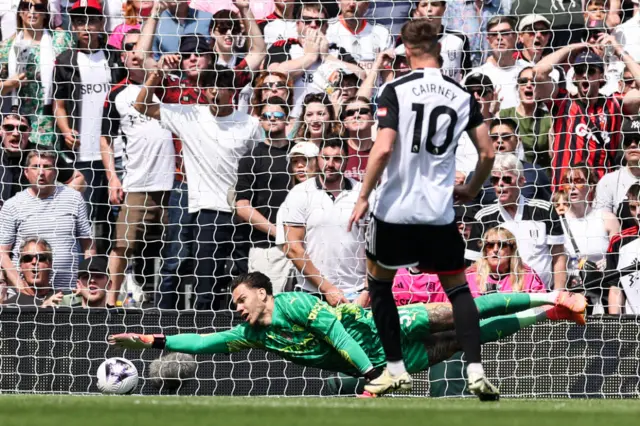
(151,151)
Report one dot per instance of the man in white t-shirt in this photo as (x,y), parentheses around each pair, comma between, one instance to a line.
(280,25)
(628,34)
(301,57)
(502,67)
(214,138)
(149,169)
(330,260)
(362,39)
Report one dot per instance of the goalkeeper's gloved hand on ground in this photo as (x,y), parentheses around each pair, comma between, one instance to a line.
(137,341)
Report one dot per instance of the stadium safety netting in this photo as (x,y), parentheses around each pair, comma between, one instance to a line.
(154,150)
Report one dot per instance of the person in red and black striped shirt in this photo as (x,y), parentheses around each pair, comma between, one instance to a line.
(586,126)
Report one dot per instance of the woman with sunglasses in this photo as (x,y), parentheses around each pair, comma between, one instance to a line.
(29,58)
(268,84)
(357,122)
(318,119)
(500,268)
(134,13)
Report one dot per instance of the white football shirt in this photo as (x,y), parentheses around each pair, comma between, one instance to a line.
(363,45)
(417,185)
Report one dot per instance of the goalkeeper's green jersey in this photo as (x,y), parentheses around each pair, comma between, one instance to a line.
(309,332)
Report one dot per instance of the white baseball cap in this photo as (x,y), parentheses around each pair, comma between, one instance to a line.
(532,19)
(305,149)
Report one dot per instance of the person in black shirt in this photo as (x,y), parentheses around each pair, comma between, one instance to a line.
(262,186)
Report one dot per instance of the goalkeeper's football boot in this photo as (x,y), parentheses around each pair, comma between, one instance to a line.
(387,383)
(575,302)
(480,386)
(560,313)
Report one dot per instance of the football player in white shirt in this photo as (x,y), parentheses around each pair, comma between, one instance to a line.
(417,137)
(352,32)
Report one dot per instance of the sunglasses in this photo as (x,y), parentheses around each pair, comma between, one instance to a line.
(97,276)
(25,5)
(80,21)
(277,115)
(483,93)
(224,28)
(490,245)
(578,183)
(309,20)
(628,81)
(128,47)
(583,69)
(525,80)
(506,33)
(495,137)
(40,257)
(495,180)
(629,140)
(23,128)
(274,85)
(533,31)
(359,111)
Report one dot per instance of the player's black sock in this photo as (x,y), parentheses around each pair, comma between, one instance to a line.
(467,321)
(385,315)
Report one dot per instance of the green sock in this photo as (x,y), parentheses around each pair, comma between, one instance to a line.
(496,328)
(495,304)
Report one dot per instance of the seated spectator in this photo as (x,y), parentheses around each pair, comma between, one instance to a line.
(535,223)
(454,45)
(300,58)
(55,213)
(92,286)
(501,67)
(318,119)
(612,188)
(134,13)
(29,58)
(36,275)
(303,163)
(357,120)
(500,268)
(14,148)
(330,260)
(353,33)
(587,127)
(262,186)
(505,140)
(533,121)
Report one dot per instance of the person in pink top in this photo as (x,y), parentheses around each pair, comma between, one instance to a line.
(500,268)
(134,12)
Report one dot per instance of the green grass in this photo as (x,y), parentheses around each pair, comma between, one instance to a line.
(43,410)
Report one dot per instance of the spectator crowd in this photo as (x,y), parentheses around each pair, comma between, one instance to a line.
(152,150)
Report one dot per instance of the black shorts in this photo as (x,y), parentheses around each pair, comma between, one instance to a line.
(437,249)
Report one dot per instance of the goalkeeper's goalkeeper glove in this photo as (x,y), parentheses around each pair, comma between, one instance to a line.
(138,341)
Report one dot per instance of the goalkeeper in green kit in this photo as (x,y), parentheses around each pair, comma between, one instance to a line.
(303,329)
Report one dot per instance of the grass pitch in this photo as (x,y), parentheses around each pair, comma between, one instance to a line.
(45,410)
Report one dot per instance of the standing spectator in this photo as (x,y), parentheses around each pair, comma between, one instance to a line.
(626,83)
(281,25)
(303,164)
(300,58)
(214,137)
(330,260)
(149,169)
(628,34)
(318,119)
(533,121)
(595,31)
(587,127)
(502,67)
(93,285)
(82,81)
(560,201)
(52,212)
(535,223)
(263,184)
(390,14)
(134,13)
(455,51)
(357,119)
(612,188)
(36,274)
(29,58)
(536,184)
(534,35)
(356,35)
(267,84)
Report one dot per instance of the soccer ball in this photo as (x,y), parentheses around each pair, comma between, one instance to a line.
(117,376)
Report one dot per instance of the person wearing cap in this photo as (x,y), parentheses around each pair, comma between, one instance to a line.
(534,34)
(92,287)
(303,165)
(612,188)
(594,32)
(143,193)
(214,137)
(262,186)
(502,66)
(586,126)
(455,51)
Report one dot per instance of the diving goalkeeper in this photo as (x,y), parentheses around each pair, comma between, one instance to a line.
(304,330)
